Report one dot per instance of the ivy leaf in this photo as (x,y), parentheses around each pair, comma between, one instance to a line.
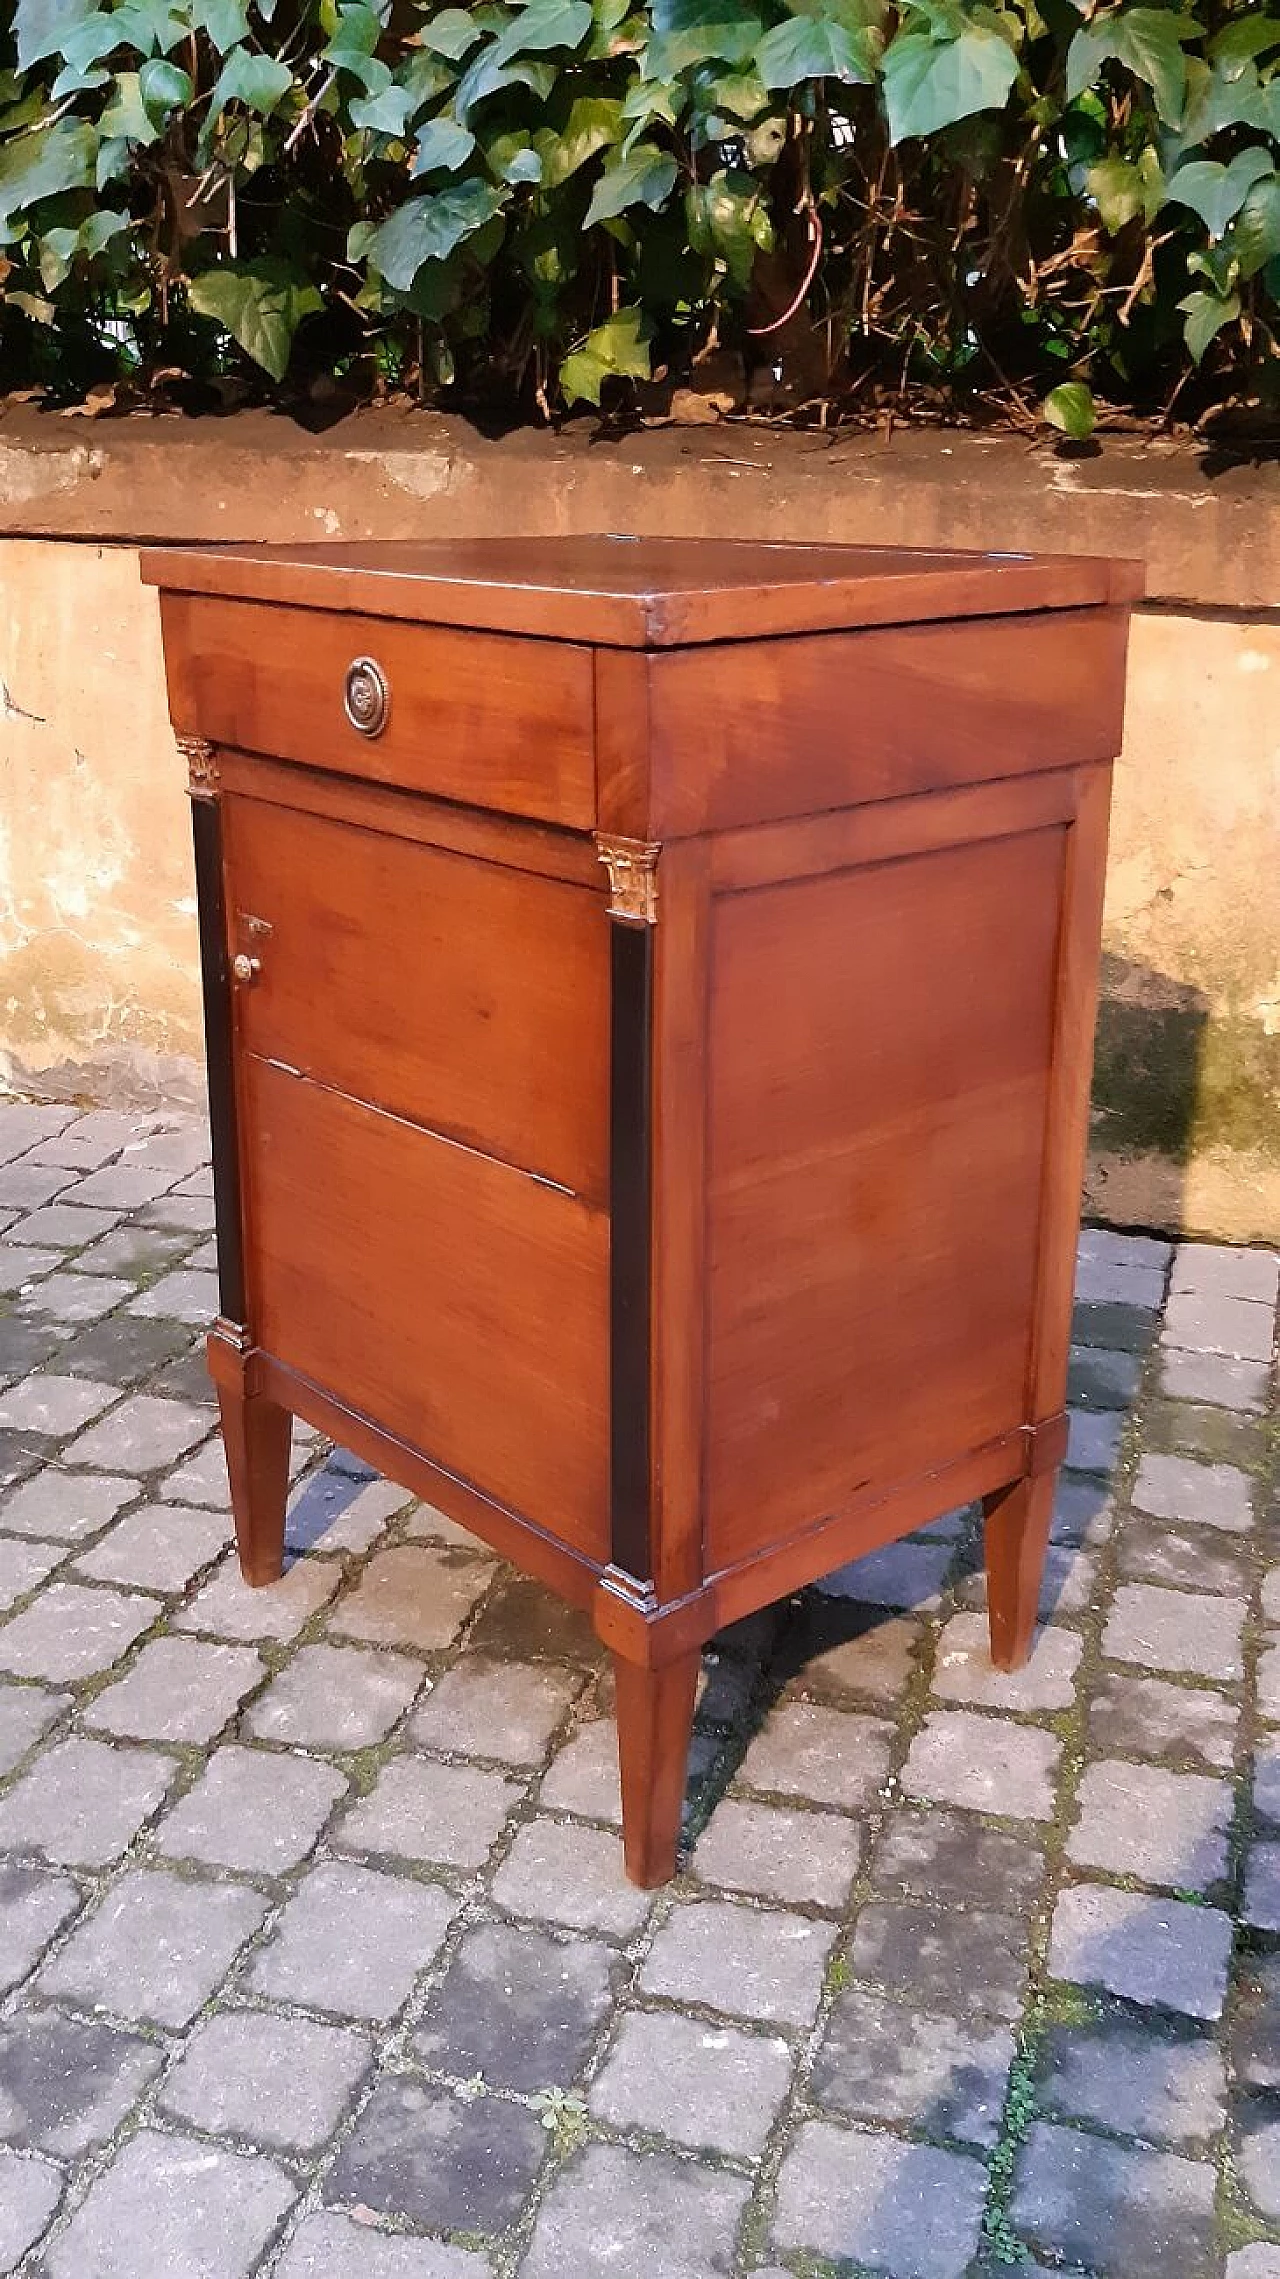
(41,27)
(1255,235)
(727,220)
(1217,192)
(352,46)
(1206,314)
(261,304)
(930,83)
(689,32)
(43,165)
(257,81)
(226,22)
(428,229)
(1227,96)
(645,177)
(594,123)
(513,159)
(811,47)
(1070,408)
(453,32)
(542,24)
(487,75)
(163,87)
(1148,42)
(1122,191)
(442,144)
(617,349)
(386,114)
(60,247)
(1247,36)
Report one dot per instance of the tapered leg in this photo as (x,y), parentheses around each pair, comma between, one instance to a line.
(1018,1519)
(256,1433)
(655,1720)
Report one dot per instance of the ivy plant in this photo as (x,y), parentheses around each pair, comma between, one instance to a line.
(1044,210)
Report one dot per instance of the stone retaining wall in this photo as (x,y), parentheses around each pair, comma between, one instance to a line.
(98,995)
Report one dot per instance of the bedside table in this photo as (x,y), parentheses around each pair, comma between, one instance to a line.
(649,989)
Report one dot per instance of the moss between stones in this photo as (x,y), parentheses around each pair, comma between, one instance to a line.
(1174,1081)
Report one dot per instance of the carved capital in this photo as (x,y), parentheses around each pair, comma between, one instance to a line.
(632,865)
(202,766)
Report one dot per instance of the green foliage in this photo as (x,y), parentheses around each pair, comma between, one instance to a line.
(1044,209)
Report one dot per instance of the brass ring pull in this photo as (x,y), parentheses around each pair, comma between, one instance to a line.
(366,697)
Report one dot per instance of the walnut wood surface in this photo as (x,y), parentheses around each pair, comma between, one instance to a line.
(836,1179)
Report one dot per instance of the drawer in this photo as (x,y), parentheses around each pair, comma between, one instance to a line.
(456,993)
(453,1302)
(491,719)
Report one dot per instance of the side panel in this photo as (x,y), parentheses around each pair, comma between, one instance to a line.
(881,1044)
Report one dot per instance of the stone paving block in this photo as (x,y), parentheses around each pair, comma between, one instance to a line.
(1083,1511)
(330,2245)
(829,1756)
(902,1574)
(22,1266)
(950,1858)
(421,1810)
(566,1873)
(189,2201)
(1266,1778)
(24,1564)
(1184,1556)
(984,1764)
(1126,2213)
(119,1350)
(73,1297)
(25,1124)
(53,1405)
(414,1596)
(66,2084)
(1258,2158)
(1213,1434)
(1262,1888)
(967,1960)
(131,1251)
(1271,1597)
(82,1804)
(1068,1584)
(518,2007)
(1116,1282)
(507,1712)
(1258,2261)
(717,2088)
(437,2160)
(879,2061)
(335,1697)
(583,1776)
(1145,1949)
(159,1547)
(28,1345)
(65,1507)
(750,1962)
(179,1689)
(155,1948)
(183,1147)
(193,1213)
(62,1226)
(908,2209)
(26,1712)
(1269,1684)
(1178,1487)
(805,1858)
(72,1631)
(20,1453)
(202,1479)
(1167,2090)
(30,1184)
(963,1669)
(88,1141)
(832,1648)
(253,1809)
(335,1512)
(1160,1826)
(186,1378)
(34,1905)
(1184,1631)
(125,1186)
(141,1435)
(227,1607)
(30,2190)
(352,1941)
(1099,1379)
(423,1523)
(520,1621)
(1256,2046)
(1149,1717)
(185,1295)
(612,2211)
(1204,1322)
(1239,1385)
(1093,1439)
(284,2083)
(1214,1270)
(1106,1246)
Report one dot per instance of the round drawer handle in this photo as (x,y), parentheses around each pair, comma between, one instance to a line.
(366,697)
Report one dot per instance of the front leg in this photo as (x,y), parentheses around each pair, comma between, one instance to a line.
(1018,1519)
(655,1721)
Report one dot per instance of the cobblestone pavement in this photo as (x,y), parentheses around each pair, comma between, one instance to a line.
(316,1957)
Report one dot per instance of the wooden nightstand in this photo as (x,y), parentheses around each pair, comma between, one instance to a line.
(650,993)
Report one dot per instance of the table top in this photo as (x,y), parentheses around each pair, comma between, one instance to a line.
(645,593)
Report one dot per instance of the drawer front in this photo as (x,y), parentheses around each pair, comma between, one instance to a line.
(461,995)
(454,1302)
(490,719)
